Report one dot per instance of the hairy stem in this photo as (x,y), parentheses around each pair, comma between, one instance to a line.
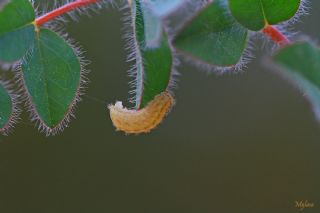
(276,35)
(62,10)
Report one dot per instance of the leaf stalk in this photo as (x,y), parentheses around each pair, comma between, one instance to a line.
(276,36)
(62,10)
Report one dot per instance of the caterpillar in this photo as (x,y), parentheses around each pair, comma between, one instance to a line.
(143,120)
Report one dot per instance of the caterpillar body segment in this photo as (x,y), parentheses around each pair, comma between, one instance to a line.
(143,120)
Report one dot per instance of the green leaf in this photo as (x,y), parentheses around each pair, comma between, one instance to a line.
(152,29)
(301,63)
(256,14)
(52,78)
(16,29)
(154,62)
(6,109)
(213,37)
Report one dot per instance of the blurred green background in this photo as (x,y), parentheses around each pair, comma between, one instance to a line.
(240,143)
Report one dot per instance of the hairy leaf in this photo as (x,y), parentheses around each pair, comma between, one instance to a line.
(154,64)
(16,29)
(213,37)
(52,77)
(256,14)
(6,109)
(301,63)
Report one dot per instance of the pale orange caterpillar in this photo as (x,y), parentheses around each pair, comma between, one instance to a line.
(144,120)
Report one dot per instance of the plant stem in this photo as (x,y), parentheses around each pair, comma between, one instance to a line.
(62,10)
(276,35)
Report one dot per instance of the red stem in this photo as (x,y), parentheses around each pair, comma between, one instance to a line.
(62,10)
(276,35)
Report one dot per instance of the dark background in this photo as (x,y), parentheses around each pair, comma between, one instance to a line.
(233,144)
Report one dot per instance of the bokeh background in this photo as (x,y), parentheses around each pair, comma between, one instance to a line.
(240,143)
